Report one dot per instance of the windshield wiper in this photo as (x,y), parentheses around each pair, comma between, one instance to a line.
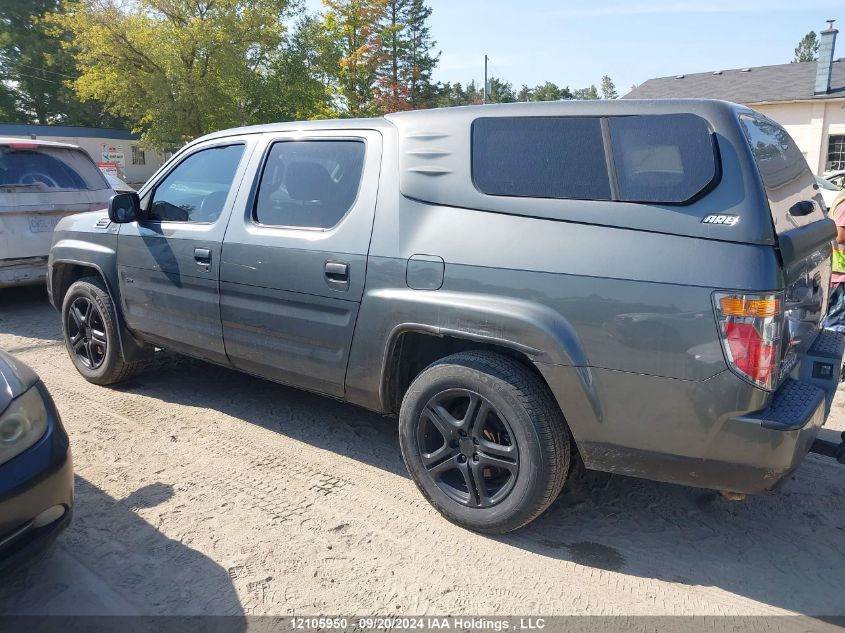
(29,185)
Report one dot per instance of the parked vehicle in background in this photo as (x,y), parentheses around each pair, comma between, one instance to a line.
(40,183)
(36,471)
(828,190)
(638,284)
(836,177)
(117,184)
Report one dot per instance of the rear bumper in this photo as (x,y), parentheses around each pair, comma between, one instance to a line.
(691,432)
(23,272)
(38,480)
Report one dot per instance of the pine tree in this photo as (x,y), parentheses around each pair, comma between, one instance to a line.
(357,27)
(608,89)
(405,74)
(807,49)
(421,57)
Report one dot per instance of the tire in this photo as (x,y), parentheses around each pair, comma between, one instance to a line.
(515,441)
(89,328)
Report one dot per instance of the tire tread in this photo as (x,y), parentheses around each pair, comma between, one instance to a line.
(535,397)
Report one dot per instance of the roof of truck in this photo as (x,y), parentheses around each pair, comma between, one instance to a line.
(534,108)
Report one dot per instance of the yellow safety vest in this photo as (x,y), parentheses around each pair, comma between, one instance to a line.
(838,249)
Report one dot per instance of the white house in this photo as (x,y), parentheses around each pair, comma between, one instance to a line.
(135,164)
(807,98)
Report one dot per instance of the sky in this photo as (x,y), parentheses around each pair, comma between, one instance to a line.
(575,42)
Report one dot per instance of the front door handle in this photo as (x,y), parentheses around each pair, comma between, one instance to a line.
(202,257)
(337,273)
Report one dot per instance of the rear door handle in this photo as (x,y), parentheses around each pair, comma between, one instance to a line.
(337,273)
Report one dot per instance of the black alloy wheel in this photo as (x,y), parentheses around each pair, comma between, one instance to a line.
(86,332)
(468,448)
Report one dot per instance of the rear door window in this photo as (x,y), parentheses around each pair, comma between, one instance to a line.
(783,170)
(667,158)
(42,168)
(540,157)
(309,184)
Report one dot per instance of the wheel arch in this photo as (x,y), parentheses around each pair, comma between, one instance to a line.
(412,347)
(65,272)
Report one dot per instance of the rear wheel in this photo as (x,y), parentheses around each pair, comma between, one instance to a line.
(484,441)
(89,326)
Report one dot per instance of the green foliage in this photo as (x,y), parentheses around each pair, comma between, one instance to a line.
(298,81)
(38,67)
(356,28)
(176,68)
(550,91)
(807,49)
(9,112)
(420,60)
(608,88)
(585,93)
(454,94)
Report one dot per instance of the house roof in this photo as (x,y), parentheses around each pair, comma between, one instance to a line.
(760,84)
(16,129)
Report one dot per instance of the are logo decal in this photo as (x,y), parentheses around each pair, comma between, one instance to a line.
(727,220)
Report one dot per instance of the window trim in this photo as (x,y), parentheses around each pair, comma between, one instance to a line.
(607,146)
(139,156)
(252,201)
(827,160)
(149,195)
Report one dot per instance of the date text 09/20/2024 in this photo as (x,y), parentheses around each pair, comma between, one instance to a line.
(418,623)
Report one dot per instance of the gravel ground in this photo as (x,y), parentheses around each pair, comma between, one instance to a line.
(202,490)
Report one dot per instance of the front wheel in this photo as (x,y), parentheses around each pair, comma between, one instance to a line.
(89,326)
(484,441)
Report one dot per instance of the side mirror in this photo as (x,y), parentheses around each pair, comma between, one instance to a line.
(124,207)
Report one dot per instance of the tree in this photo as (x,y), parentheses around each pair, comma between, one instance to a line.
(299,80)
(37,65)
(9,112)
(608,89)
(421,60)
(405,74)
(585,93)
(500,91)
(550,91)
(449,94)
(357,26)
(176,68)
(393,93)
(807,49)
(525,94)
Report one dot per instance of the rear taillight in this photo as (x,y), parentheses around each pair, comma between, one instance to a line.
(751,327)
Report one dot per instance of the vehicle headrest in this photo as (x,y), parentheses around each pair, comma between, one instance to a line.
(308,181)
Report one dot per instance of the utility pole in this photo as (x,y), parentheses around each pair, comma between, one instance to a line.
(484,91)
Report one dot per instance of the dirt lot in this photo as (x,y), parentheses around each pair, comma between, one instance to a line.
(202,490)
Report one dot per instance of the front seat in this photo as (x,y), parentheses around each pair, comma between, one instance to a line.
(315,194)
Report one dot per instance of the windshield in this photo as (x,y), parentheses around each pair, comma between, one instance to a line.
(49,169)
(826,184)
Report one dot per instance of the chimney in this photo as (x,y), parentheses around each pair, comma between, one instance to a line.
(825,63)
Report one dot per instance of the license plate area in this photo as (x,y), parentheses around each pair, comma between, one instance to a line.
(43,223)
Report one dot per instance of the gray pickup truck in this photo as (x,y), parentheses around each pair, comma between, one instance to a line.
(639,285)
